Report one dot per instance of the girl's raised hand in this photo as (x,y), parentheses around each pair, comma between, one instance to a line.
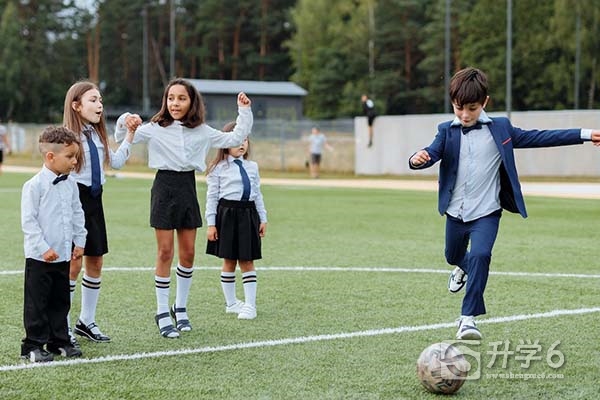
(132,121)
(243,100)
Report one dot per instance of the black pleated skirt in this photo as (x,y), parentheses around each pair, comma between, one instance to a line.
(174,202)
(238,226)
(96,242)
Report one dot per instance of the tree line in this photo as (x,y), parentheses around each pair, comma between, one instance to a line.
(395,50)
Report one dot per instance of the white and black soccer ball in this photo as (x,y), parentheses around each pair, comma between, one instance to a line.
(442,368)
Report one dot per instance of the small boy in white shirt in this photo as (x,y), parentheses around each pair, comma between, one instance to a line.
(54,233)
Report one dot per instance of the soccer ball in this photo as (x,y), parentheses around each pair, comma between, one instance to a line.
(442,368)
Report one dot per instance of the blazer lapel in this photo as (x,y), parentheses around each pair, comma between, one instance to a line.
(498,139)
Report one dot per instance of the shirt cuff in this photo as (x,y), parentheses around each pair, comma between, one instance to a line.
(586,134)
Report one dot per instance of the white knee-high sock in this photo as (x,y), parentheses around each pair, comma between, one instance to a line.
(162,286)
(228,285)
(249,281)
(184,283)
(72,286)
(90,291)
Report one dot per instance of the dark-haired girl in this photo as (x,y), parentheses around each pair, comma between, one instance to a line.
(178,141)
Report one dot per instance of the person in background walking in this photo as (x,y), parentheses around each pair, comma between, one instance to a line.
(4,144)
(317,141)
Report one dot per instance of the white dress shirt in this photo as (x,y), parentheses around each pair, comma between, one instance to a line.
(178,148)
(476,192)
(225,182)
(477,189)
(317,142)
(51,216)
(117,159)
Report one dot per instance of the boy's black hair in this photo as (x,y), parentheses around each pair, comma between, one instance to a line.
(58,135)
(469,85)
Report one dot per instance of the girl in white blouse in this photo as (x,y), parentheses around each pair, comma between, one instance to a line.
(84,114)
(237,220)
(178,141)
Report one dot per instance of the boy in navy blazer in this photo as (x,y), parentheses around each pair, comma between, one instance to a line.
(477,179)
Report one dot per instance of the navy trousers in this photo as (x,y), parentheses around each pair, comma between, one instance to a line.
(475,261)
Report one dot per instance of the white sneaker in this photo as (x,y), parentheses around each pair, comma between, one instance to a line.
(457,280)
(248,312)
(467,330)
(235,308)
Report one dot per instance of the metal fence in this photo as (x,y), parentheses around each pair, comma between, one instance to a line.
(276,145)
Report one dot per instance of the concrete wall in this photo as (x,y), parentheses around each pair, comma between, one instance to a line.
(396,138)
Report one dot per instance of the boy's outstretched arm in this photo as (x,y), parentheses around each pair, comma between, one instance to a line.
(419,158)
(596,137)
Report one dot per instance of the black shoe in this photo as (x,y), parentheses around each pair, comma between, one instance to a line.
(86,331)
(68,351)
(38,355)
(182,325)
(73,340)
(167,331)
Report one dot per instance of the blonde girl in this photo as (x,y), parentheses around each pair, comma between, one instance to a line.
(84,114)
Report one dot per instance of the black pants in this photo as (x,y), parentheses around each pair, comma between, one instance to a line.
(46,304)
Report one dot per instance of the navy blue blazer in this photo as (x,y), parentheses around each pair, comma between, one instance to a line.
(446,147)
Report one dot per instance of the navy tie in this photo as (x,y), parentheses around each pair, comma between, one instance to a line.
(95,163)
(245,181)
(60,178)
(467,129)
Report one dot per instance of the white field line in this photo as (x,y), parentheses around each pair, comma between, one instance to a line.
(355,269)
(295,340)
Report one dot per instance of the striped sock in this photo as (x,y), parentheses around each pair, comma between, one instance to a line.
(184,283)
(162,286)
(228,286)
(90,291)
(249,281)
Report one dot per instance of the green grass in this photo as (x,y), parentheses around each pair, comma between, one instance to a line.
(319,227)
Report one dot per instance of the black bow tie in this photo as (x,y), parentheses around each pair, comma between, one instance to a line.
(467,129)
(60,178)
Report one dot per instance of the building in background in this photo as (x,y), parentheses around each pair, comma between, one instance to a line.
(270,100)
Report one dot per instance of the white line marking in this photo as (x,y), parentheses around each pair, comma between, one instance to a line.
(355,269)
(296,340)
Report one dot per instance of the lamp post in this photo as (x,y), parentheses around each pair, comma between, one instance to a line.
(447,58)
(577,56)
(371,44)
(171,35)
(145,84)
(508,57)
(172,38)
(145,62)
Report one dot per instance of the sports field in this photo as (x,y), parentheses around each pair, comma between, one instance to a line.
(351,289)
